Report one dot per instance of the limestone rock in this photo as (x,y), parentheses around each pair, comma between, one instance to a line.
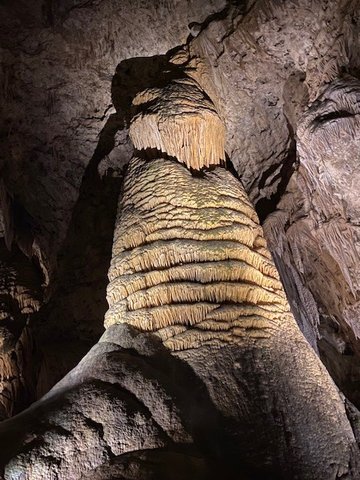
(283,79)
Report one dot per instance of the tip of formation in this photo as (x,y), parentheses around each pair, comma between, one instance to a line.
(180,121)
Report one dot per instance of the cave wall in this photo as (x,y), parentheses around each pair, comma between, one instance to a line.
(68,73)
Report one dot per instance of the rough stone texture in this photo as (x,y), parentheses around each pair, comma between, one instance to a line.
(271,68)
(133,409)
(181,121)
(20,297)
(314,232)
(267,65)
(124,396)
(58,62)
(284,78)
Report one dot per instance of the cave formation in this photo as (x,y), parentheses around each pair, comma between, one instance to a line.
(179,222)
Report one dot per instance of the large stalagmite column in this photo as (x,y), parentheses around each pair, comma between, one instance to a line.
(190,264)
(189,258)
(202,372)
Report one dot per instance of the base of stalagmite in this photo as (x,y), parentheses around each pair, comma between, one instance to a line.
(134,408)
(129,407)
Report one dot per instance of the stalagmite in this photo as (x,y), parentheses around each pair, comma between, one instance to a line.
(186,244)
(202,370)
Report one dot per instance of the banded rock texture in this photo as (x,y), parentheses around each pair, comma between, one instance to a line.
(189,259)
(193,269)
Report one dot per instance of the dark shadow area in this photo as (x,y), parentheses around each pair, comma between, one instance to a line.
(265,206)
(136,74)
(20,296)
(339,351)
(153,154)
